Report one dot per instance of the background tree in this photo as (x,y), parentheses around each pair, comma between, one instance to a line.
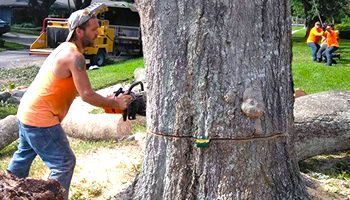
(312,10)
(220,69)
(79,4)
(41,9)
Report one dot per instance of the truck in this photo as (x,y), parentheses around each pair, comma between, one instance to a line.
(125,18)
(123,35)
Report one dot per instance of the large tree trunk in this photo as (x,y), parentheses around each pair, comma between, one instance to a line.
(222,69)
(308,21)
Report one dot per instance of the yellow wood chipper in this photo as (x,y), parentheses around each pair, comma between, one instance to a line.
(55,31)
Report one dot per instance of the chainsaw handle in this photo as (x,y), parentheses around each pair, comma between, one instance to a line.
(118,92)
(135,84)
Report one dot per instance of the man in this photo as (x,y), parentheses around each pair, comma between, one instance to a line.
(314,38)
(47,100)
(332,43)
(322,48)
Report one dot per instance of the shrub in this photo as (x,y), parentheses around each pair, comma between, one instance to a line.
(345,25)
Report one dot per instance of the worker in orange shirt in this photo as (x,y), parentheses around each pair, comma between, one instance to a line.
(45,104)
(332,43)
(314,38)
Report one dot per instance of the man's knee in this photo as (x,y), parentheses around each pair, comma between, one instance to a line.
(74,161)
(71,161)
(67,165)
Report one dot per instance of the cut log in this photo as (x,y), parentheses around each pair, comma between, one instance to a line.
(86,127)
(98,126)
(322,123)
(8,130)
(12,188)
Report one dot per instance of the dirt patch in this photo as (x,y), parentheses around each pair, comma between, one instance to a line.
(15,188)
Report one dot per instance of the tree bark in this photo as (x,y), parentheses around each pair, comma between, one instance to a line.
(8,131)
(221,69)
(309,21)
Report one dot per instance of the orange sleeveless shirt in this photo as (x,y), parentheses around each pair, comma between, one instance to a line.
(332,38)
(48,98)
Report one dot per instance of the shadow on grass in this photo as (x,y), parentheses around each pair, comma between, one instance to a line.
(344,51)
(299,39)
(334,166)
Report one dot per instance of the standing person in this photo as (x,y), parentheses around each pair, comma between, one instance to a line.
(332,43)
(62,76)
(314,38)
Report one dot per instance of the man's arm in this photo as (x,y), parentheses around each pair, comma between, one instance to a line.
(316,33)
(81,80)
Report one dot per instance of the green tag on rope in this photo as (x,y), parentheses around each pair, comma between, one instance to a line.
(202,143)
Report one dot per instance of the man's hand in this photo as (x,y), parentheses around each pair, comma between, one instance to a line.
(123,101)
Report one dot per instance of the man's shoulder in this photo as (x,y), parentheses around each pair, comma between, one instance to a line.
(319,30)
(69,53)
(70,49)
(71,57)
(313,30)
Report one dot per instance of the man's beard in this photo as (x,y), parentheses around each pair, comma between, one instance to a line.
(87,42)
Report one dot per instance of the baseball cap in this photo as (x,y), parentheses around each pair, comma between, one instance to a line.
(79,17)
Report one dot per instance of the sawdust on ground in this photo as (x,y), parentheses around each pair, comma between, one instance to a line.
(104,173)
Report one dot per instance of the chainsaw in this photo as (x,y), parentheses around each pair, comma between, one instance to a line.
(136,106)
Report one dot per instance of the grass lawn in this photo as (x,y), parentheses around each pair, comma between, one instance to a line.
(115,73)
(315,77)
(26,30)
(294,28)
(12,46)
